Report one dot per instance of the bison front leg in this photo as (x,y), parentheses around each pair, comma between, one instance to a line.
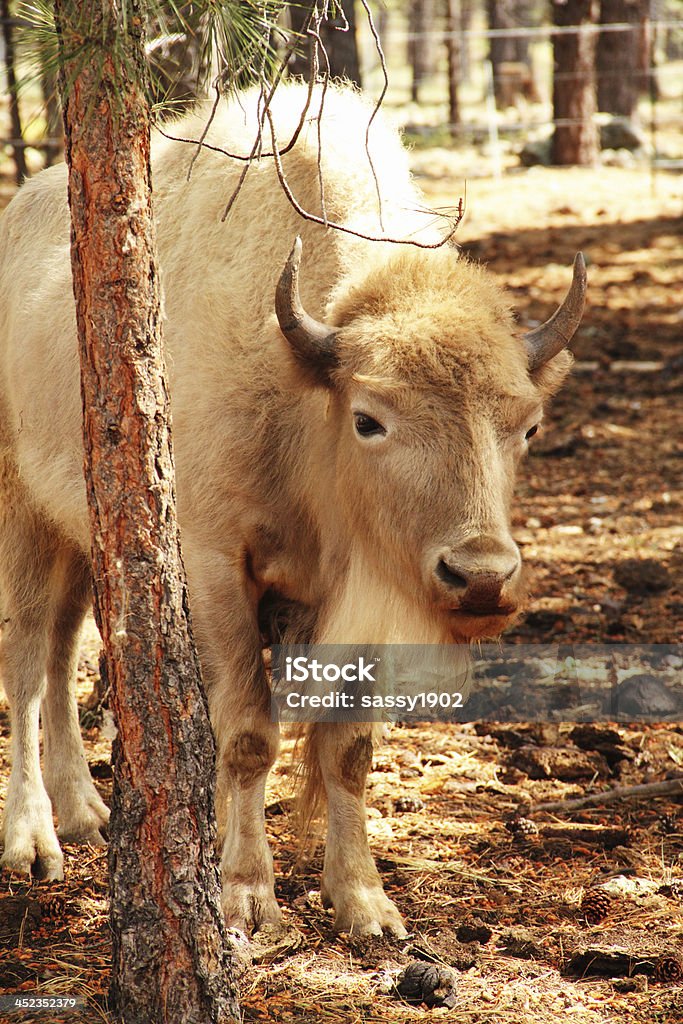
(351,883)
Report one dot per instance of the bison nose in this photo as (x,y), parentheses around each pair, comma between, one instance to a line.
(478,579)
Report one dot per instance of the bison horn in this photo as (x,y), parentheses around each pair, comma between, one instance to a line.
(546,341)
(312,342)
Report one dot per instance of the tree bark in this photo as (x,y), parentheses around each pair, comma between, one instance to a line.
(21,170)
(575,140)
(171,962)
(618,57)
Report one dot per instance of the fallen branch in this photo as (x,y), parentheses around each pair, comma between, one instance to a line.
(578,832)
(610,796)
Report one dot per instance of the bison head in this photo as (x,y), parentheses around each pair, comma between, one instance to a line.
(432,399)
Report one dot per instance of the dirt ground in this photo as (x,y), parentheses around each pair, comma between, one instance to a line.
(499,901)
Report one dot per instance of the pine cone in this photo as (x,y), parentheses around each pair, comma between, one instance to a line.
(53,904)
(668,823)
(407,804)
(668,968)
(677,888)
(522,827)
(595,906)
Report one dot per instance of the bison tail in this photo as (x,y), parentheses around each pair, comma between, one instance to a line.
(347,751)
(310,803)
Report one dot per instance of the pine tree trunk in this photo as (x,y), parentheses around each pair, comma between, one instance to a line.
(454,71)
(575,140)
(467,12)
(171,962)
(618,57)
(502,49)
(421,49)
(339,42)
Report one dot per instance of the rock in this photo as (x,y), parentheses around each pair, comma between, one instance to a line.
(620,133)
(644,696)
(642,576)
(535,153)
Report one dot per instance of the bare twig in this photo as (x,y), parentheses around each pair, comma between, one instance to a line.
(306,215)
(380,101)
(610,796)
(312,29)
(205,131)
(248,158)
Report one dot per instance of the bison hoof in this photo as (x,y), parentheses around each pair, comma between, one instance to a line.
(249,906)
(87,826)
(82,814)
(363,911)
(82,837)
(32,850)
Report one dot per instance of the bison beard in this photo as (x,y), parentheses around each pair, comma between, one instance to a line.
(345,465)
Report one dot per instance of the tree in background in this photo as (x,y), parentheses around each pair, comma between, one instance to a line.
(422,44)
(502,49)
(620,58)
(453,50)
(575,139)
(8,25)
(177,61)
(337,35)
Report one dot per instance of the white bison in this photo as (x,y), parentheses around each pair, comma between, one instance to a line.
(350,448)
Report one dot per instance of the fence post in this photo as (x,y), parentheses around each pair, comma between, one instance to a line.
(491,117)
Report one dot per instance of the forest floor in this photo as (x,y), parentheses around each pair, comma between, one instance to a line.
(599,517)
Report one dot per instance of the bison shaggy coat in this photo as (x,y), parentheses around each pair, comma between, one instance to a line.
(352,455)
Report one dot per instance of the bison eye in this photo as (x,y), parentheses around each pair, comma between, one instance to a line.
(366,426)
(530,433)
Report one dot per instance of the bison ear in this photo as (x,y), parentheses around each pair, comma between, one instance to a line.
(312,343)
(546,341)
